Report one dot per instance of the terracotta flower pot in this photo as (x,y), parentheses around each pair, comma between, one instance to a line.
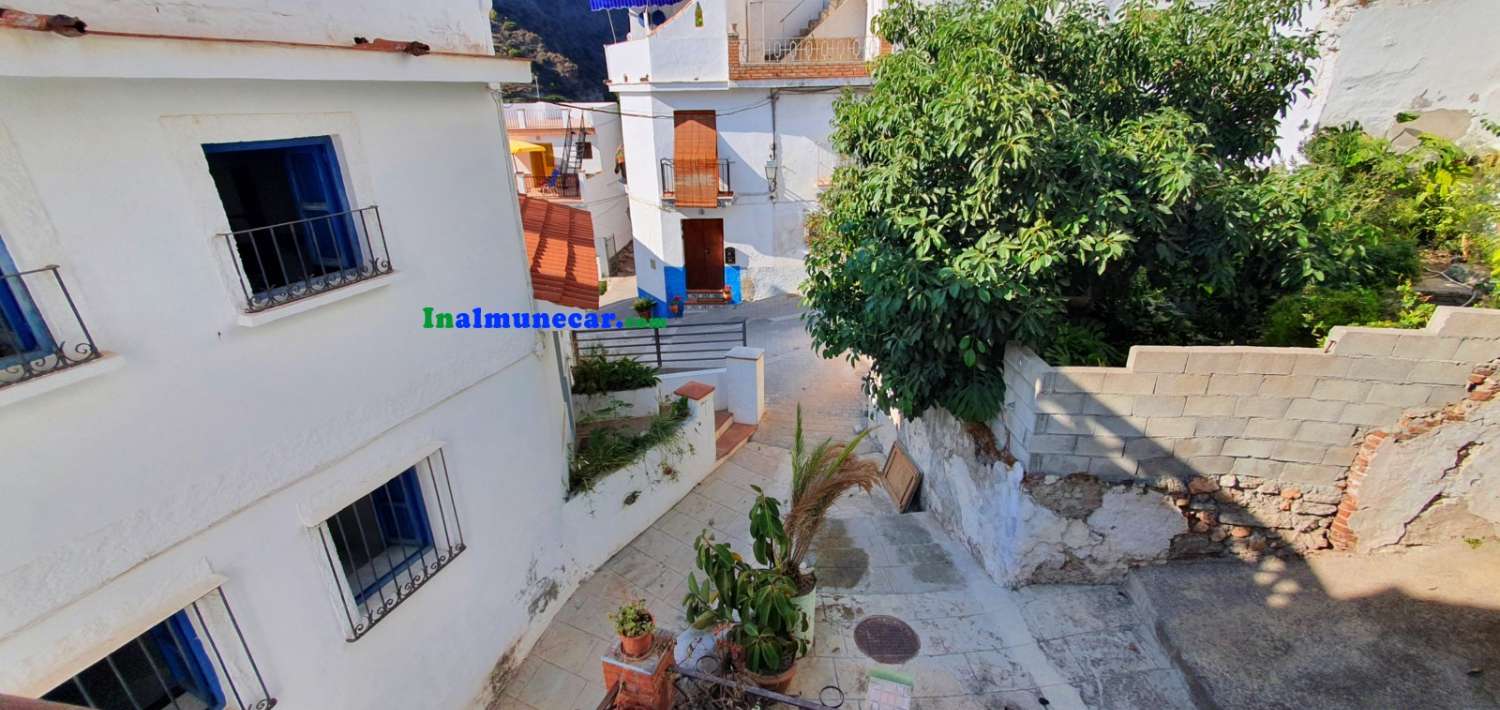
(636,646)
(775,683)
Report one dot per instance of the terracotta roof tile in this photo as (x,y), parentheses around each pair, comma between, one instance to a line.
(560,249)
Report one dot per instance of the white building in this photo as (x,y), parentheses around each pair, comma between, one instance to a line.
(250,211)
(727,108)
(582,168)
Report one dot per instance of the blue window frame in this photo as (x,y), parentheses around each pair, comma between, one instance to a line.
(383,535)
(23,333)
(288,210)
(165,667)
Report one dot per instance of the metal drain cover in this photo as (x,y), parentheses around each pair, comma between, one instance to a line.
(886,639)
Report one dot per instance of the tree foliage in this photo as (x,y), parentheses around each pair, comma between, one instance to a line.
(1021,164)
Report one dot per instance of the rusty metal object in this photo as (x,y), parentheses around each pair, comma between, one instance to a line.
(414,48)
(886,639)
(65,25)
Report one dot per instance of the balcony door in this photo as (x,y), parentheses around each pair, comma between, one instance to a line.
(703,254)
(695,158)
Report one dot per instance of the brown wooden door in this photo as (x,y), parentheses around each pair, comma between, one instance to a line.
(703,253)
(695,158)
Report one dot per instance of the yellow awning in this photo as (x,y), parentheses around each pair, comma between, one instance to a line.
(518,147)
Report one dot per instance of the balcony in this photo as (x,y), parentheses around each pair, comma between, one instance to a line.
(32,345)
(844,58)
(288,262)
(558,185)
(692,184)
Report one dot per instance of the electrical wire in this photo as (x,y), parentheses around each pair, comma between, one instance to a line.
(731,112)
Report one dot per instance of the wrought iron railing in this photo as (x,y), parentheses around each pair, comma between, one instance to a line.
(385,546)
(702,169)
(166,666)
(692,346)
(811,50)
(287,262)
(559,185)
(41,331)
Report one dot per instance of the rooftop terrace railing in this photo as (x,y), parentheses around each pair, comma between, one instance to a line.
(810,50)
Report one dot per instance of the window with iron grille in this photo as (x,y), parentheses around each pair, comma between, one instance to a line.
(32,345)
(195,659)
(384,546)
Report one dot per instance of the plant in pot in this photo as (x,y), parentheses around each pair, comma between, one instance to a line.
(728,294)
(636,628)
(675,306)
(643,307)
(768,633)
(709,606)
(819,477)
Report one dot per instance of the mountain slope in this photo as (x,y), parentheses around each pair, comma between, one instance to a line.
(565,42)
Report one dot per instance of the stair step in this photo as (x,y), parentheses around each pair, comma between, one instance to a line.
(731,441)
(722,421)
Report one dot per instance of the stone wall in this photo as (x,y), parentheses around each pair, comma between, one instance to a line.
(1185,451)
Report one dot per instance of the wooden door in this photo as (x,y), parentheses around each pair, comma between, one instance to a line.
(703,253)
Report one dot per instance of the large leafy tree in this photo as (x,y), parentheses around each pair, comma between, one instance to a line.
(1033,170)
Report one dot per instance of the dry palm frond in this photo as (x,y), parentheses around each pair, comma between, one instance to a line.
(819,478)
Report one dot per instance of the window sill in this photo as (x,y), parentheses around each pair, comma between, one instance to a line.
(107,363)
(271,315)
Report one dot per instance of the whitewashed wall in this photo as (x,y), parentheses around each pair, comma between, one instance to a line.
(446,25)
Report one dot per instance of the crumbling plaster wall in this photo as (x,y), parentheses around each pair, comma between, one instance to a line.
(1185,452)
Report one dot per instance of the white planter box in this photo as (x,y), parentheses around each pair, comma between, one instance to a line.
(644,402)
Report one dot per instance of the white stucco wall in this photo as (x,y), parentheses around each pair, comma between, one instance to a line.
(207,447)
(446,25)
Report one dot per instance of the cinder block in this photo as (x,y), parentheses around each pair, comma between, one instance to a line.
(1145,358)
(1076,379)
(1314,474)
(1211,465)
(1326,433)
(1287,385)
(1164,467)
(1474,350)
(1197,446)
(1381,369)
(1129,383)
(1421,346)
(1370,415)
(1102,445)
(1441,373)
(1142,449)
(1260,468)
(1466,322)
(1341,390)
(1444,394)
(1220,426)
(1271,429)
(1178,385)
(1315,409)
(1261,406)
(1234,384)
(1300,452)
(1321,365)
(1254,448)
(1112,468)
(1341,456)
(1399,395)
(1213,360)
(1159,406)
(1051,444)
(1113,404)
(1171,426)
(1267,363)
(1052,403)
(1063,464)
(1210,406)
(1363,342)
(1062,424)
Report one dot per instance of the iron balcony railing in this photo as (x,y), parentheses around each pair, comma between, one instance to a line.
(287,262)
(41,331)
(699,169)
(692,346)
(811,50)
(559,185)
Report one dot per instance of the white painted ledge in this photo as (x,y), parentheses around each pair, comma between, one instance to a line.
(107,363)
(260,318)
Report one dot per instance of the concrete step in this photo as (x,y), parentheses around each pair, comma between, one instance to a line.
(731,441)
(722,421)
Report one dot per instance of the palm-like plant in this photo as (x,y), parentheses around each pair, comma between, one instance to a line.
(819,477)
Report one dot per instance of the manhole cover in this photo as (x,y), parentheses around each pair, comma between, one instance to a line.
(886,639)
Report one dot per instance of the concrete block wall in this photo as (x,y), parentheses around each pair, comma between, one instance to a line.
(1293,415)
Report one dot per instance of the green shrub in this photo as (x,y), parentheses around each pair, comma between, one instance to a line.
(606,450)
(1303,319)
(1408,309)
(597,374)
(1081,343)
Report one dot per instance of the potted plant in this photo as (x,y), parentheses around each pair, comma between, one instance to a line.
(728,293)
(675,307)
(819,478)
(709,606)
(643,307)
(636,628)
(768,636)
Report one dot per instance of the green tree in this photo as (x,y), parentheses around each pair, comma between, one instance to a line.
(1022,164)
